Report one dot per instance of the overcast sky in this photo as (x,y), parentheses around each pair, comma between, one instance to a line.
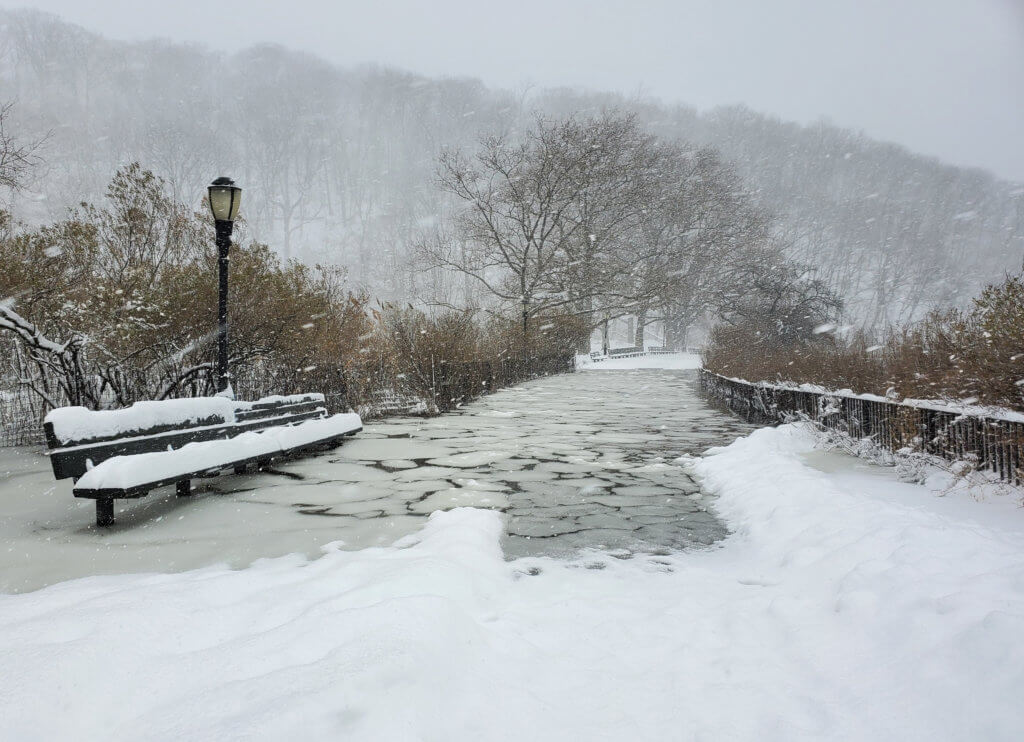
(944,77)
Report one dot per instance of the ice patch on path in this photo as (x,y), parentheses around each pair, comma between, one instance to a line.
(472,459)
(830,613)
(455,497)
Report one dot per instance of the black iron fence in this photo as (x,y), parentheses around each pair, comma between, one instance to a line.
(454,383)
(377,388)
(378,391)
(21,414)
(992,442)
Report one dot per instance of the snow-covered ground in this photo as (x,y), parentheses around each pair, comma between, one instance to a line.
(844,606)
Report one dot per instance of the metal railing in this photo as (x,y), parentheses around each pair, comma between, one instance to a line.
(993,442)
(634,352)
(383,392)
(454,383)
(21,414)
(664,350)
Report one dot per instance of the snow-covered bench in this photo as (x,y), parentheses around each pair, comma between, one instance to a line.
(121,454)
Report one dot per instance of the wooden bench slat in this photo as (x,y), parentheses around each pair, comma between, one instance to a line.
(294,399)
(60,432)
(73,461)
(291,409)
(140,489)
(53,441)
(130,493)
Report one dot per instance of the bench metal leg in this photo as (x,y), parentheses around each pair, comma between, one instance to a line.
(104,512)
(184,488)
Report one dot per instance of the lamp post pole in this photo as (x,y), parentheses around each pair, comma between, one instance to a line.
(225,198)
(224,229)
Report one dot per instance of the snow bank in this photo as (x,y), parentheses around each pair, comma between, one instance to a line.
(905,604)
(834,612)
(665,361)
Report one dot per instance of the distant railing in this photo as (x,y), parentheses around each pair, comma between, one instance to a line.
(993,442)
(629,352)
(662,350)
(633,352)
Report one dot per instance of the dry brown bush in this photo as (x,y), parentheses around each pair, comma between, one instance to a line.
(976,355)
(449,357)
(131,287)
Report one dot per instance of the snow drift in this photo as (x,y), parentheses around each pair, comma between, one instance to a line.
(830,613)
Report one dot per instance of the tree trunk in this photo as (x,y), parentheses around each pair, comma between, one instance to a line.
(586,312)
(286,221)
(672,333)
(641,323)
(526,331)
(604,335)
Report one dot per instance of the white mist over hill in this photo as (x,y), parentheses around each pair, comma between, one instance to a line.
(339,163)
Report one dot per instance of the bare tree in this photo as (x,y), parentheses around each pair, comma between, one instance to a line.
(696,234)
(17,156)
(514,224)
(596,219)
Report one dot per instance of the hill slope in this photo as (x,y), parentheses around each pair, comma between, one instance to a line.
(338,164)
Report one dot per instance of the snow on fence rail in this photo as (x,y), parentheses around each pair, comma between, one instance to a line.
(637,351)
(992,440)
(653,350)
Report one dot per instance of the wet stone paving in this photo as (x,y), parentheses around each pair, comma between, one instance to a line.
(575,461)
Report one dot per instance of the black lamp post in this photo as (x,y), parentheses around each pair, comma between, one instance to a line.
(225,198)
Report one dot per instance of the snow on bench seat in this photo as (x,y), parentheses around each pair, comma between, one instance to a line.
(79,424)
(140,470)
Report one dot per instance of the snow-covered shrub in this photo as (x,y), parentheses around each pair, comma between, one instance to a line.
(117,303)
(975,354)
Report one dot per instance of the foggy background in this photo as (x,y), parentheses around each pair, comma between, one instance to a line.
(884,137)
(943,77)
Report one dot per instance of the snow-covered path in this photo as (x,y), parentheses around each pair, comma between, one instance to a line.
(830,613)
(844,605)
(575,460)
